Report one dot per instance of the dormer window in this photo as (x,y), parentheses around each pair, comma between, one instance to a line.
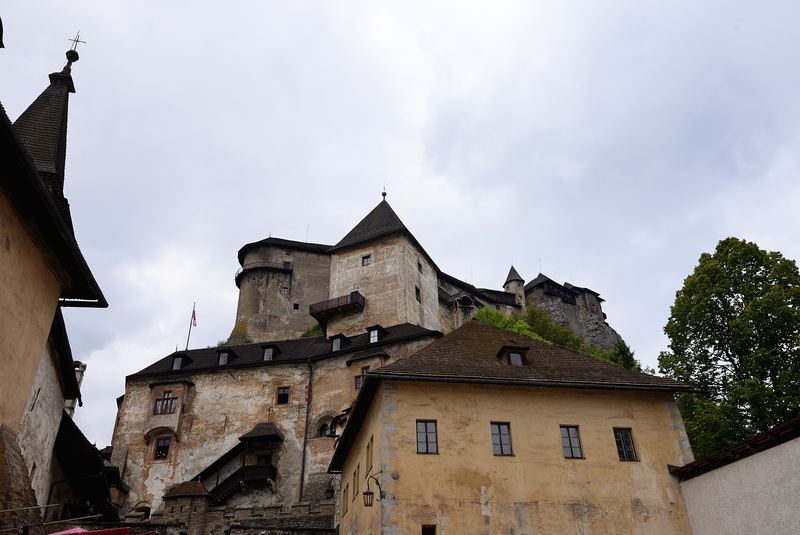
(513,356)
(268,353)
(177,362)
(373,336)
(223,358)
(376,333)
(336,344)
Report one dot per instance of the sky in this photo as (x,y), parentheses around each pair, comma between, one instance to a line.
(607,144)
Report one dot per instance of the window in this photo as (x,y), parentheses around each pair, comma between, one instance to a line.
(373,336)
(360,378)
(344,498)
(223,358)
(287,265)
(571,442)
(426,436)
(176,363)
(296,306)
(284,290)
(501,439)
(268,353)
(336,344)
(515,359)
(366,260)
(419,296)
(167,404)
(368,464)
(323,430)
(419,266)
(264,459)
(513,356)
(283,395)
(429,529)
(624,441)
(162,448)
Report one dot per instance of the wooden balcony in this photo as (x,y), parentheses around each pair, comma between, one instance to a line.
(246,475)
(327,309)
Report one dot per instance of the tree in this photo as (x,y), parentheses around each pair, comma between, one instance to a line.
(734,331)
(536,324)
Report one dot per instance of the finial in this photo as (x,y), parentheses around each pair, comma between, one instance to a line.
(384,191)
(72,53)
(76,40)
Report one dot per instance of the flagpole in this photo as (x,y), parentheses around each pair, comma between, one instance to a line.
(191,321)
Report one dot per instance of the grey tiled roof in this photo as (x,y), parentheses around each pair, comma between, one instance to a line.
(470,353)
(513,276)
(381,221)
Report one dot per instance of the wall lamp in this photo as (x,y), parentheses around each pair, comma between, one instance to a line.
(369,495)
(333,486)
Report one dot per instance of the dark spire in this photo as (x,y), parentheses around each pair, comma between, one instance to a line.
(42,128)
(381,221)
(513,276)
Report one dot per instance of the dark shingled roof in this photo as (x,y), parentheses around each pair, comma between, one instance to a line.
(187,488)
(513,276)
(262,431)
(381,221)
(299,349)
(471,353)
(286,244)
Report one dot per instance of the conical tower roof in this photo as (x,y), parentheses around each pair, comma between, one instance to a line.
(513,276)
(42,128)
(381,221)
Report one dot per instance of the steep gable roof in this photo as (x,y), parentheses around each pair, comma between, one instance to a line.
(381,221)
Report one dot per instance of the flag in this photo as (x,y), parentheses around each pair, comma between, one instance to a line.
(194,318)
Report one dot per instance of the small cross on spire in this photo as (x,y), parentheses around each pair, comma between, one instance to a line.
(75,40)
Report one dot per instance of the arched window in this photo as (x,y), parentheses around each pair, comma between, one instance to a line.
(323,430)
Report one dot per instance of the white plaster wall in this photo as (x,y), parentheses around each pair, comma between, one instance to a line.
(758,494)
(39,426)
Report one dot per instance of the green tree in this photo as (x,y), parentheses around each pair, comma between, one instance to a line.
(734,331)
(536,324)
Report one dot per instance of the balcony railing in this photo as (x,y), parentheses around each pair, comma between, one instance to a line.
(247,474)
(331,307)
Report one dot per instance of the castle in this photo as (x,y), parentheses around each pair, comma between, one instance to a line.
(240,437)
(286,286)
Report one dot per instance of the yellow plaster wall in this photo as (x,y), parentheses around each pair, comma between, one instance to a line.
(29,293)
(466,489)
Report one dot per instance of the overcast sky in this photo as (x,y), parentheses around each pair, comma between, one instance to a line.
(607,144)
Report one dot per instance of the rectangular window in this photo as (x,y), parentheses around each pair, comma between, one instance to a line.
(624,441)
(429,529)
(296,306)
(162,448)
(285,290)
(501,439)
(267,353)
(283,395)
(419,296)
(373,336)
(345,501)
(571,442)
(366,260)
(419,266)
(360,378)
(426,436)
(336,344)
(515,358)
(223,359)
(167,404)
(176,363)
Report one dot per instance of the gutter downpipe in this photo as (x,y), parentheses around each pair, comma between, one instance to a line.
(305,435)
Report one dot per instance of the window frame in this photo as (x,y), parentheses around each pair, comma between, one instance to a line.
(366,260)
(166,404)
(164,448)
(424,447)
(505,450)
(570,454)
(288,389)
(177,362)
(223,358)
(269,354)
(624,452)
(373,336)
(358,380)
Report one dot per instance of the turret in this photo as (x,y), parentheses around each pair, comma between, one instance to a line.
(516,285)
